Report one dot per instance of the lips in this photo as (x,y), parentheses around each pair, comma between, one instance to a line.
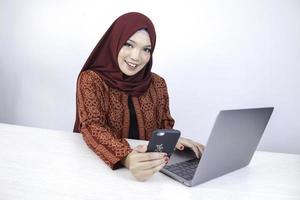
(131,66)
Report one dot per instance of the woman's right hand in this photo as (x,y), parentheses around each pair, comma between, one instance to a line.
(144,164)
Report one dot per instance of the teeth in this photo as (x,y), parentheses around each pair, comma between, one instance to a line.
(131,65)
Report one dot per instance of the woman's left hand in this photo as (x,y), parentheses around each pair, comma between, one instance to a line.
(195,146)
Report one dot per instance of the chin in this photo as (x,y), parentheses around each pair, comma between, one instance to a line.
(131,73)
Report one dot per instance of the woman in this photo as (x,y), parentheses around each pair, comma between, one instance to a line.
(119,97)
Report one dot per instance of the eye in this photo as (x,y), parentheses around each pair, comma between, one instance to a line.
(148,50)
(128,45)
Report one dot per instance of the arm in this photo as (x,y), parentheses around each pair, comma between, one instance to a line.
(93,124)
(167,122)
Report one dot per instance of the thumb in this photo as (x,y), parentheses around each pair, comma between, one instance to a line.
(141,148)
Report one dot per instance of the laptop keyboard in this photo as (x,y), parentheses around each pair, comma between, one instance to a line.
(184,169)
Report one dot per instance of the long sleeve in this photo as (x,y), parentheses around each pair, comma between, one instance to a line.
(166,120)
(93,123)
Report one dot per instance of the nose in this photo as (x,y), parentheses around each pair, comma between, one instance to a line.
(135,54)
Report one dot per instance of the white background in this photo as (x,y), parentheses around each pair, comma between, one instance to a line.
(213,54)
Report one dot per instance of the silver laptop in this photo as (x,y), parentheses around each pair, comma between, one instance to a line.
(231,145)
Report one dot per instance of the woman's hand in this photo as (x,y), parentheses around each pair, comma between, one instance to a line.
(143,165)
(195,146)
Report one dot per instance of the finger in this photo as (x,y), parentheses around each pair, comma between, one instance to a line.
(194,146)
(196,151)
(158,168)
(141,148)
(152,171)
(179,146)
(187,143)
(150,156)
(200,150)
(200,147)
(152,164)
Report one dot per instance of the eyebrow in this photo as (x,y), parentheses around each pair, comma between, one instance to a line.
(135,43)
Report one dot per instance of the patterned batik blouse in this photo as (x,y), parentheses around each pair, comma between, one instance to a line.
(104,116)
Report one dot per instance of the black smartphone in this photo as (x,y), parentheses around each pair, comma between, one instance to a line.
(163,140)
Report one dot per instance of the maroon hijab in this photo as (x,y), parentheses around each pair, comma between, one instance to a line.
(104,58)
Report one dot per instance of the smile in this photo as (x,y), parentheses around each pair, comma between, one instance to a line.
(131,65)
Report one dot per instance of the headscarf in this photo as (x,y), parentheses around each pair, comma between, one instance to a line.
(104,58)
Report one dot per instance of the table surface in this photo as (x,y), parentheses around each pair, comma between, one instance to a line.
(48,164)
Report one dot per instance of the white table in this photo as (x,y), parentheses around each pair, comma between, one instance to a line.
(40,164)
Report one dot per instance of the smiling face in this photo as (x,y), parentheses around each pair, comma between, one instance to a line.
(135,53)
